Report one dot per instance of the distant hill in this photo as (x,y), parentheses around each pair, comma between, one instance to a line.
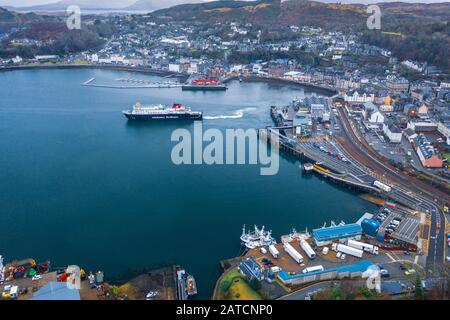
(303,12)
(268,12)
(152,5)
(10,19)
(83,4)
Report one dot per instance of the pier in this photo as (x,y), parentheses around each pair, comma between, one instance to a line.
(350,173)
(140,84)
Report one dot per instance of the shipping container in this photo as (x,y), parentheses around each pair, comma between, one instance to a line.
(363,246)
(313,269)
(293,253)
(348,250)
(273,251)
(307,248)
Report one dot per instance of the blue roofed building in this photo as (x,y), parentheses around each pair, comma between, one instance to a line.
(347,271)
(392,287)
(324,236)
(56,291)
(251,269)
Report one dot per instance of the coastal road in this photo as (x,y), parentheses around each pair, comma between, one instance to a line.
(406,187)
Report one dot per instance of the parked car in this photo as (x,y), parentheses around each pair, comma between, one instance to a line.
(409,272)
(384,273)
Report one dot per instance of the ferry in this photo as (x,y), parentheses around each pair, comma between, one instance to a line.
(205,84)
(161,112)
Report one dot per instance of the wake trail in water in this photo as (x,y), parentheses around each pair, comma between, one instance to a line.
(236,114)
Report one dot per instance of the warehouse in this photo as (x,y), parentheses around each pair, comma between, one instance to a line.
(324,236)
(349,271)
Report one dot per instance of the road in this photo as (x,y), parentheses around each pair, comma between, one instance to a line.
(405,187)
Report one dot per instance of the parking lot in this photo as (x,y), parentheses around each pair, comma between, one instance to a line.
(392,151)
(407,229)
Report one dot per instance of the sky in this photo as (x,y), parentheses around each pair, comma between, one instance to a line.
(24,3)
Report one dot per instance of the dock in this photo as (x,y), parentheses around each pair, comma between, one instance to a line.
(322,154)
(140,84)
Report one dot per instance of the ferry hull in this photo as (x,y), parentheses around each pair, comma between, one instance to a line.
(159,117)
(203,88)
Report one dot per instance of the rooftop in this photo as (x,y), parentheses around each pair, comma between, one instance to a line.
(56,291)
(337,231)
(361,266)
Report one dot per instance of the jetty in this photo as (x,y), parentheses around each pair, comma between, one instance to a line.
(138,84)
(321,154)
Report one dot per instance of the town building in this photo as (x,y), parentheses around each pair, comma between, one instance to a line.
(357,270)
(251,269)
(393,132)
(324,236)
(428,155)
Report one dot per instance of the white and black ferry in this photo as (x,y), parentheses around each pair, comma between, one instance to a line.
(161,112)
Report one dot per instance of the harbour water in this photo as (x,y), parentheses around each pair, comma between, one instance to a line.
(81,185)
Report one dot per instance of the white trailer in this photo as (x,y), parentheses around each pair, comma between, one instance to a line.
(293,253)
(363,246)
(274,251)
(312,269)
(382,186)
(348,250)
(307,248)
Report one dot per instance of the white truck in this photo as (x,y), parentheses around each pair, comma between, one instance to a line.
(275,269)
(363,246)
(382,186)
(312,269)
(346,249)
(293,253)
(274,251)
(307,248)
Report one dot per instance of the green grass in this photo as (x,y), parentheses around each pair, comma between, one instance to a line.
(239,288)
(446,155)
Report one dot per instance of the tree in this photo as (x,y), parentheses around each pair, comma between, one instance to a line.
(225,285)
(418,292)
(255,284)
(337,293)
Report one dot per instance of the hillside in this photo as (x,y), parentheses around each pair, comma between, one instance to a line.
(414,31)
(48,35)
(83,4)
(151,5)
(274,13)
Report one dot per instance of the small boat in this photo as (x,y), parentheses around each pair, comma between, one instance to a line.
(151,295)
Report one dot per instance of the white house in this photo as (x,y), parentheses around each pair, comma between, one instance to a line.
(174,67)
(393,132)
(372,114)
(355,97)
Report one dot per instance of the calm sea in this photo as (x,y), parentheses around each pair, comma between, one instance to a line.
(81,185)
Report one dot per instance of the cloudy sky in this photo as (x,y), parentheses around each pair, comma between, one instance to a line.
(22,3)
